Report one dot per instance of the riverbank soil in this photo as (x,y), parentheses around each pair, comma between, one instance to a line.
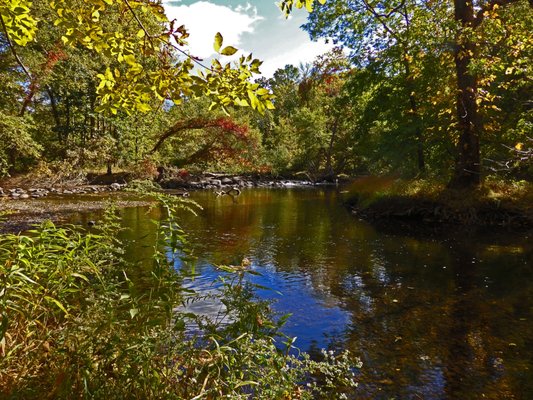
(508,204)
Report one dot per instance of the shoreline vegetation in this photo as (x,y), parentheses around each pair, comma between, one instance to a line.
(494,204)
(77,321)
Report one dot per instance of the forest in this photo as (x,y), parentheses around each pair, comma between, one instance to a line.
(421,111)
(421,89)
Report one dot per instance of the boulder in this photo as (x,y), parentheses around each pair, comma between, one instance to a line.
(172,183)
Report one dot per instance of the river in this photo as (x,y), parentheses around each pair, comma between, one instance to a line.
(433,312)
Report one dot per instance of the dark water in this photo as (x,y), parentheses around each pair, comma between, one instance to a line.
(433,315)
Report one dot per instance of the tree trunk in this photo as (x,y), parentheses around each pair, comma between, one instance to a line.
(55,114)
(418,129)
(467,164)
(410,86)
(330,173)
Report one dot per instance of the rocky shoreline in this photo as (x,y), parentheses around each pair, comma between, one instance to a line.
(23,202)
(20,193)
(213,181)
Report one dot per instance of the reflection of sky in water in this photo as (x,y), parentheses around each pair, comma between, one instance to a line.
(313,321)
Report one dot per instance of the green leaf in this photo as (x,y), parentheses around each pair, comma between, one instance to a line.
(57,303)
(130,59)
(229,51)
(218,42)
(75,274)
(134,312)
(143,107)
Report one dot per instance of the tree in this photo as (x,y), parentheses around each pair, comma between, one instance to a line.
(386,37)
(470,17)
(373,29)
(127,83)
(308,129)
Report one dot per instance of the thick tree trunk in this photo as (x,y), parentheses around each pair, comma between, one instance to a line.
(467,165)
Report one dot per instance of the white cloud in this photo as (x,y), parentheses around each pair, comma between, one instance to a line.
(204,19)
(305,52)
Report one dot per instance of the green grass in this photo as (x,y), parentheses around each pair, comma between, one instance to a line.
(517,194)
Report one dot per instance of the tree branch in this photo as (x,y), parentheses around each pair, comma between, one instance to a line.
(480,15)
(195,123)
(14,50)
(382,17)
(149,36)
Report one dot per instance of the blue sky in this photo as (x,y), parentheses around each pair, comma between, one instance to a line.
(255,26)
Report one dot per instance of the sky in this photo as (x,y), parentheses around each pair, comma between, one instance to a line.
(254,26)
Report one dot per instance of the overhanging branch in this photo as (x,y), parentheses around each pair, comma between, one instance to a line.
(489,7)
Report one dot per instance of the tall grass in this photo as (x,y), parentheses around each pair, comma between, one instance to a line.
(74,325)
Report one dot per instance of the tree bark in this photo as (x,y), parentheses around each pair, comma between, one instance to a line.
(416,119)
(467,172)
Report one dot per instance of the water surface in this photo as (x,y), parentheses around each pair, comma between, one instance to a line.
(433,313)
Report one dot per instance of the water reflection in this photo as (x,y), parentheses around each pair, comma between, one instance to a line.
(432,317)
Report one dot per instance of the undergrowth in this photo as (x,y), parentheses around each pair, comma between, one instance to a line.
(75,325)
(518,194)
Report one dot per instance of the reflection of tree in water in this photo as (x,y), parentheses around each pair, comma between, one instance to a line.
(464,360)
(435,330)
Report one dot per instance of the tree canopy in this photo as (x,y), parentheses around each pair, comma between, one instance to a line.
(145,53)
(437,89)
(460,51)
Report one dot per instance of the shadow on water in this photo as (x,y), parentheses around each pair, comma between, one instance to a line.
(433,314)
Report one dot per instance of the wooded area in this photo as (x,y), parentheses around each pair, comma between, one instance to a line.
(433,89)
